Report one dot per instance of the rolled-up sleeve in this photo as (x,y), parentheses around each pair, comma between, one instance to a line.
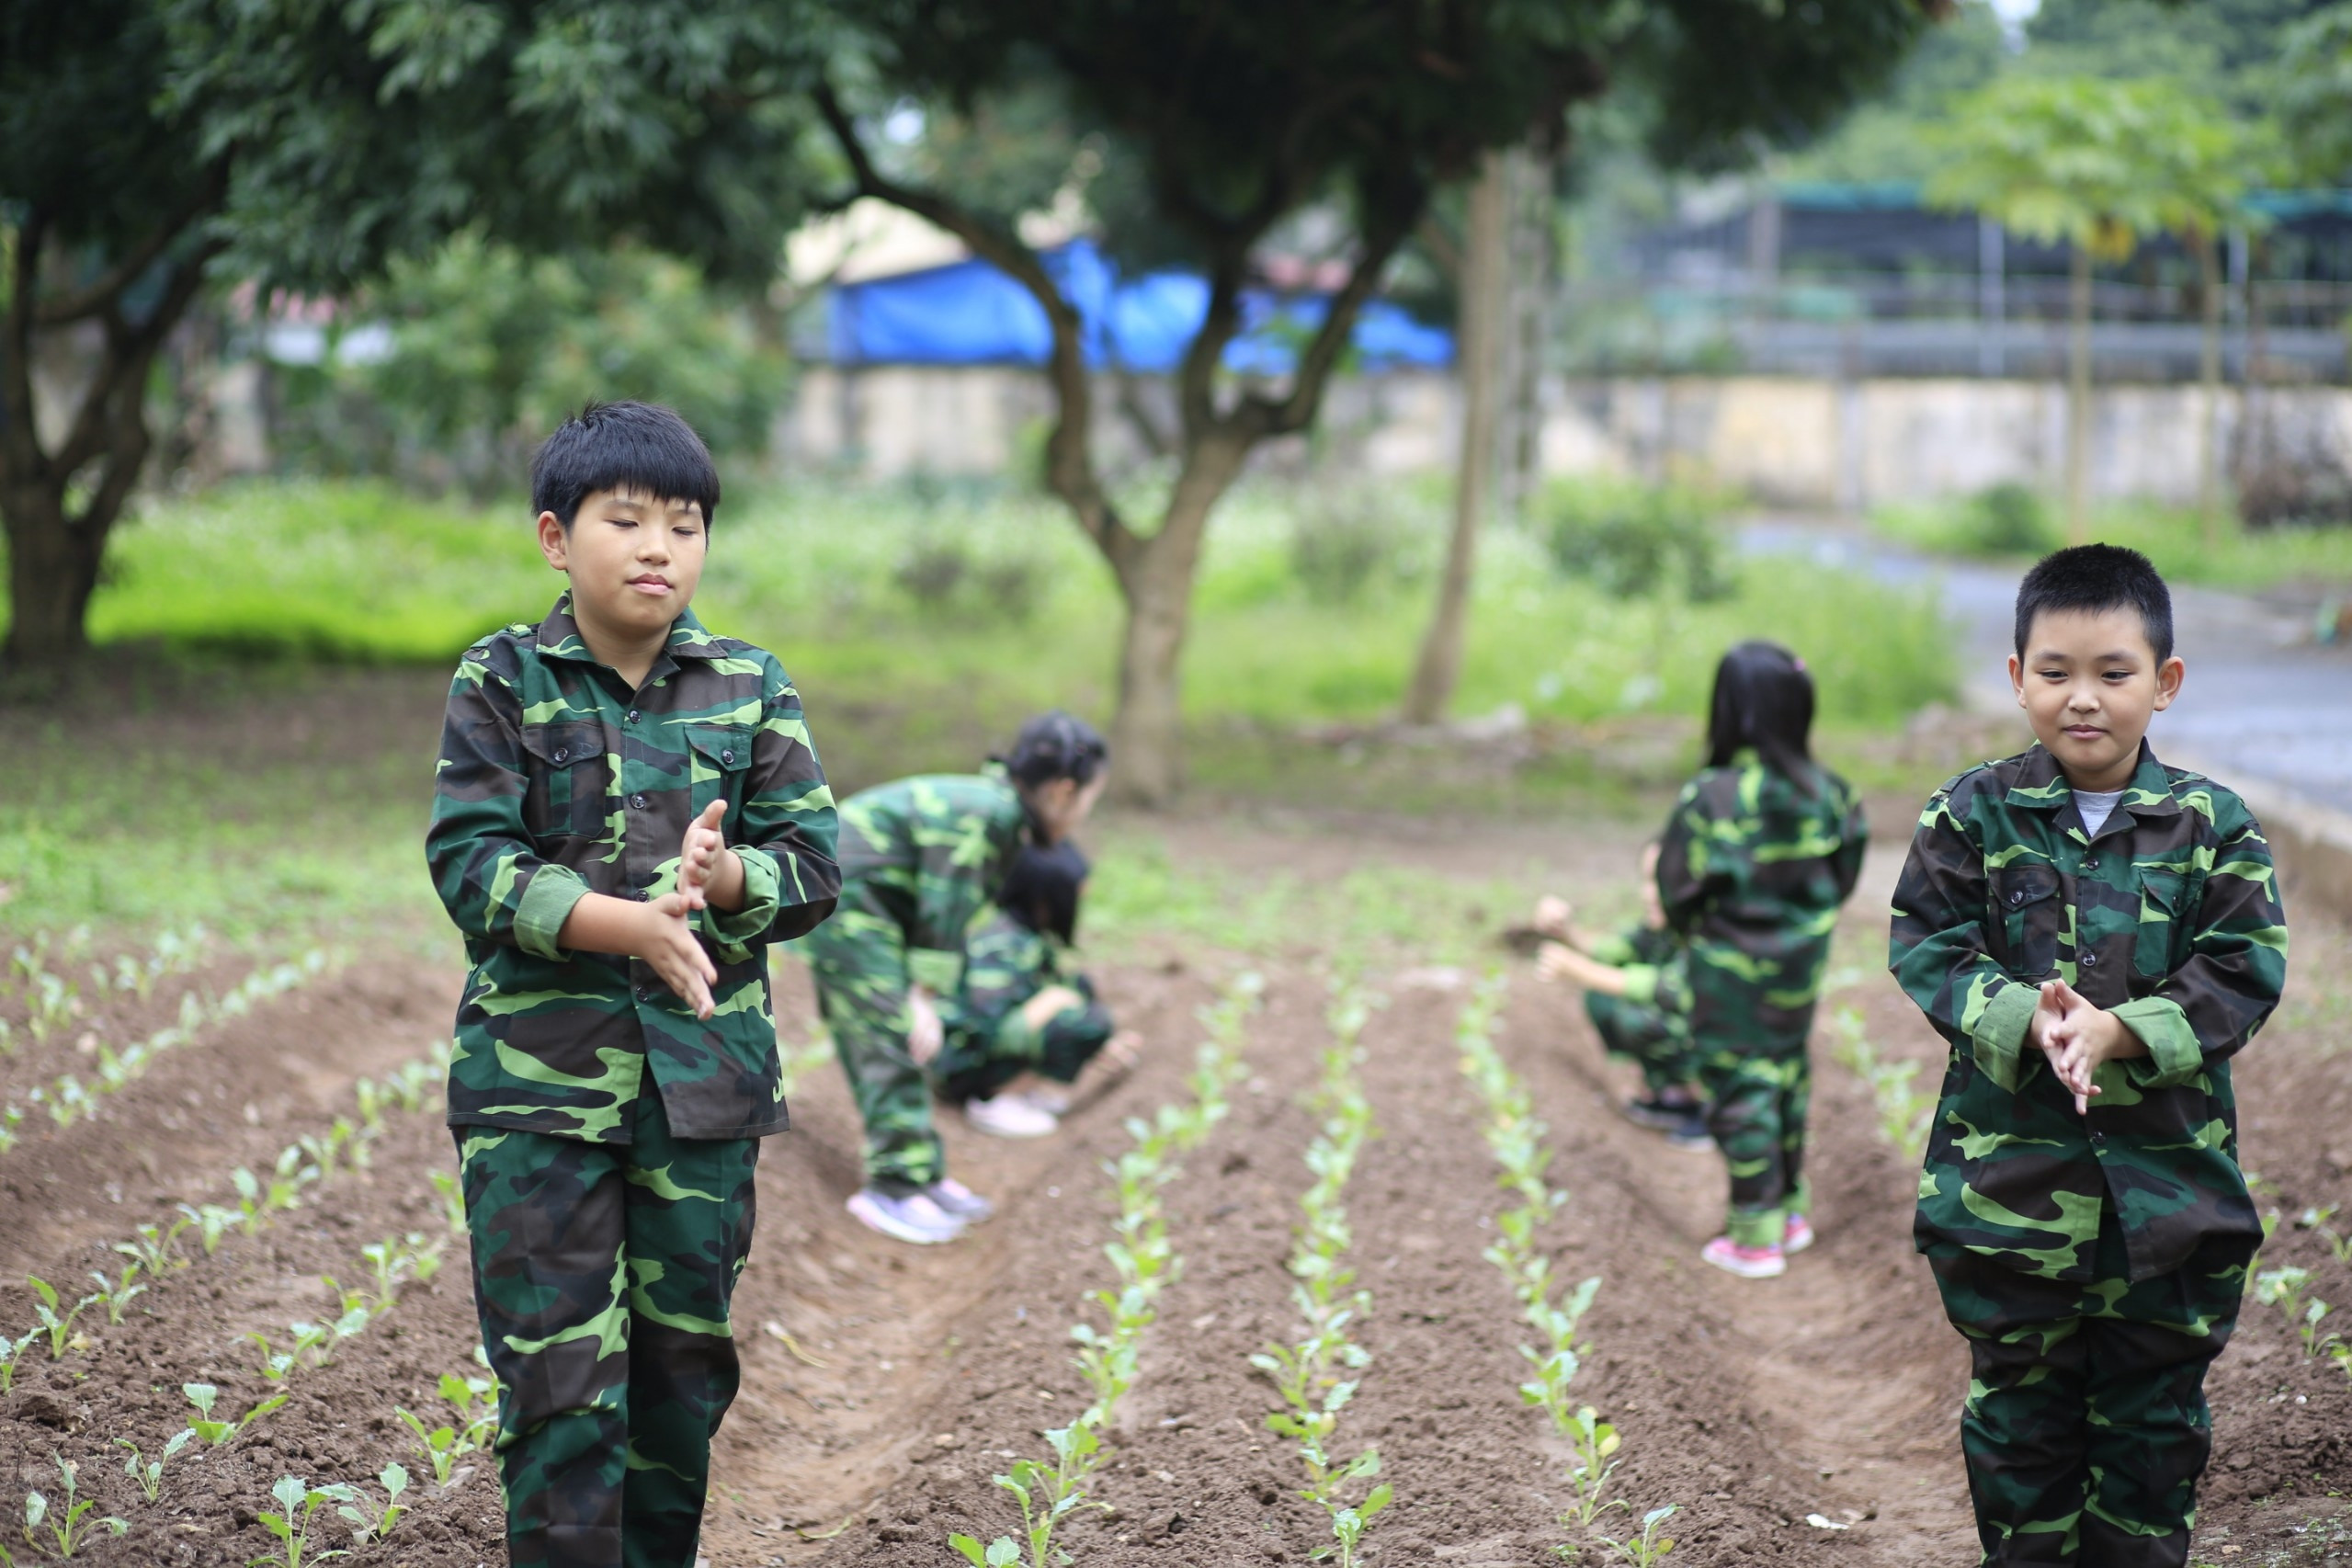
(485,868)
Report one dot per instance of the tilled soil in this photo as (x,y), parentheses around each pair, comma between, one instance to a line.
(885,1385)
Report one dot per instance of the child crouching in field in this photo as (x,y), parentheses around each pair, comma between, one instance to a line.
(2096,934)
(1637,993)
(1016,1013)
(919,859)
(627,812)
(1762,848)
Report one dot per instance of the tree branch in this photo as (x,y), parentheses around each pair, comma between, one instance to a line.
(124,369)
(20,453)
(1069,467)
(92,298)
(1294,413)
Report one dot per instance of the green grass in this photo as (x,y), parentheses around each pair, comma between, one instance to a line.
(991,603)
(2228,555)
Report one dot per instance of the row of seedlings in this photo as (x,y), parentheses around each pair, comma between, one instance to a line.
(1514,1136)
(1903,1109)
(1317,1376)
(63,1529)
(1146,1263)
(67,1100)
(2288,1287)
(53,999)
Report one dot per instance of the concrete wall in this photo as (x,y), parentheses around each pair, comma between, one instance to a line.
(1786,440)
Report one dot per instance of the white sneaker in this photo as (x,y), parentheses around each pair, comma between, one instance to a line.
(954,1198)
(913,1217)
(1051,1098)
(1009,1116)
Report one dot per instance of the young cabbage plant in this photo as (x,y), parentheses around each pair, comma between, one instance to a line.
(1649,1546)
(452,1201)
(156,1250)
(441,1446)
(300,1500)
(216,1433)
(370,1523)
(62,1523)
(147,1472)
(11,1351)
(115,1294)
(2339,1245)
(54,1319)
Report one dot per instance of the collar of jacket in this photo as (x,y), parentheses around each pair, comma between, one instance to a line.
(2035,780)
(558,636)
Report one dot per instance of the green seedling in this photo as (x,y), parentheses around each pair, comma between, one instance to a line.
(147,1472)
(156,1250)
(2339,1245)
(54,1319)
(2284,1287)
(1649,1546)
(117,1294)
(452,1201)
(477,1404)
(204,1395)
(394,1262)
(1904,1112)
(250,1205)
(300,1500)
(211,1222)
(372,1524)
(11,1118)
(441,1446)
(287,1177)
(411,1085)
(309,1338)
(63,1525)
(1594,1440)
(11,1351)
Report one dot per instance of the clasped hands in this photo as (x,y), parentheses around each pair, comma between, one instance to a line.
(2077,1037)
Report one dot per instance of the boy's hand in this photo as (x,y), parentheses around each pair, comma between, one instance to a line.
(1039,1010)
(2087,1037)
(705,862)
(924,1033)
(1552,916)
(1553,961)
(666,941)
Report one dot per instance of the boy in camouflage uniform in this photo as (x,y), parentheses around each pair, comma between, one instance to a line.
(1762,848)
(920,858)
(626,813)
(1637,993)
(2096,934)
(1016,1012)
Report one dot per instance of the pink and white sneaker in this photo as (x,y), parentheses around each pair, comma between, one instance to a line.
(1749,1263)
(1798,1236)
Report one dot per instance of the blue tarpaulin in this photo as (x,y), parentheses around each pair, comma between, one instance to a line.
(969,314)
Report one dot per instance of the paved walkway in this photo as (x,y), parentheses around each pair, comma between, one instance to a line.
(2262,701)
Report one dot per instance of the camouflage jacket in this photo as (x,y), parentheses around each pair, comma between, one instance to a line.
(1005,963)
(1751,871)
(927,854)
(556,781)
(2169,918)
(1657,965)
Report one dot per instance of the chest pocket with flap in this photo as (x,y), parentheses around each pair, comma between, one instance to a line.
(569,776)
(2032,915)
(719,756)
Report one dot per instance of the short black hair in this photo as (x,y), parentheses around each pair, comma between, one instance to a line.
(622,445)
(1056,745)
(1763,698)
(1042,891)
(2095,578)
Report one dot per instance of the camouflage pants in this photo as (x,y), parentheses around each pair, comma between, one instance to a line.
(2086,1427)
(1643,1035)
(1756,1111)
(974,1066)
(602,1273)
(858,962)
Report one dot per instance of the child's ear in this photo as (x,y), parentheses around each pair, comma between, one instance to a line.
(554,541)
(2169,675)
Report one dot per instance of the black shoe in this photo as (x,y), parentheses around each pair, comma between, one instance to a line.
(1658,1115)
(1690,1132)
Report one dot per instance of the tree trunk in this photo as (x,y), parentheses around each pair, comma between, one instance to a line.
(1155,579)
(2209,381)
(53,571)
(1486,288)
(2078,395)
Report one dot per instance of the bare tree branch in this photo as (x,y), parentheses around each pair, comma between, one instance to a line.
(1296,412)
(1070,466)
(93,298)
(20,454)
(122,372)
